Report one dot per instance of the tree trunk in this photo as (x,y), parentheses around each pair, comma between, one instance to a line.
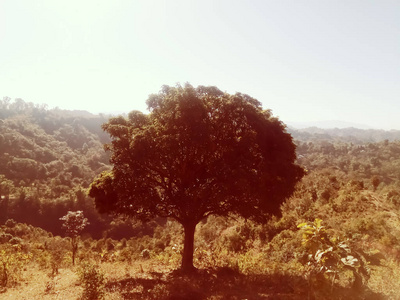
(4,209)
(188,247)
(74,243)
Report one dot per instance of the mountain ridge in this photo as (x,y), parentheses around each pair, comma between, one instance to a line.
(329,124)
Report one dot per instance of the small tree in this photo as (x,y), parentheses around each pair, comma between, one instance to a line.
(200,152)
(74,223)
(6,188)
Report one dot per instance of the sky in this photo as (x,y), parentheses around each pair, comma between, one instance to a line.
(306,60)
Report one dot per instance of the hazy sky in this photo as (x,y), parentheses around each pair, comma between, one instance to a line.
(305,60)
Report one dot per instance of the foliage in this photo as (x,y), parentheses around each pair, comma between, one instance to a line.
(57,250)
(12,261)
(92,280)
(10,223)
(331,257)
(74,223)
(200,152)
(48,157)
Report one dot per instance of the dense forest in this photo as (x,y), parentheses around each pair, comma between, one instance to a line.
(338,236)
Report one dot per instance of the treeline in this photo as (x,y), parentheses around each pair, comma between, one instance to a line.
(348,135)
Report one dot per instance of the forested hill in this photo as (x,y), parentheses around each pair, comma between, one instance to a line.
(47,159)
(56,147)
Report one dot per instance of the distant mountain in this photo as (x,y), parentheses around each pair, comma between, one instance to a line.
(328,125)
(348,134)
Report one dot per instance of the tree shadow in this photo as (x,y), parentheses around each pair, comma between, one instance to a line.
(136,288)
(225,283)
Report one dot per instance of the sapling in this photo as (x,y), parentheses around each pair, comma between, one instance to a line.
(74,223)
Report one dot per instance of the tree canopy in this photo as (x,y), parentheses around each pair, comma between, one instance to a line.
(199,152)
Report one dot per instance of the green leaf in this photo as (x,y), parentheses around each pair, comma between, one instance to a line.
(302,225)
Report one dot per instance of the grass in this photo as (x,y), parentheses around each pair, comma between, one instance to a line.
(37,284)
(150,279)
(270,270)
(262,267)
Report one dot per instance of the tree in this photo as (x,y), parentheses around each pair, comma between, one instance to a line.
(6,188)
(74,223)
(199,152)
(375,180)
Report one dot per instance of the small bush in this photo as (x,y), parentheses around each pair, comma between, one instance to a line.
(57,247)
(233,240)
(5,237)
(10,223)
(12,261)
(145,254)
(15,241)
(92,280)
(332,259)
(126,255)
(110,244)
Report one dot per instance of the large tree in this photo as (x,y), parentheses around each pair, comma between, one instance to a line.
(199,152)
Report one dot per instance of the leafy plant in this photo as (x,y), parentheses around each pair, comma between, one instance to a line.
(329,257)
(93,282)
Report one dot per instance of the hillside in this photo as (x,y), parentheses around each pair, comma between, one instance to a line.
(47,160)
(338,236)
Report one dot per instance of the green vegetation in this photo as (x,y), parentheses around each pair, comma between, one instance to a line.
(200,152)
(93,282)
(47,160)
(338,236)
(74,223)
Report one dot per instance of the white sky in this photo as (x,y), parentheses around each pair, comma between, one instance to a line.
(305,60)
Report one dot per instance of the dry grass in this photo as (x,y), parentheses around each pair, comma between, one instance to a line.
(264,271)
(37,284)
(150,279)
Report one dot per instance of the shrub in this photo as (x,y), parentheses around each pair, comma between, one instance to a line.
(122,244)
(92,280)
(393,196)
(126,255)
(57,249)
(18,229)
(87,243)
(159,246)
(331,258)
(12,261)
(15,241)
(145,254)
(99,245)
(233,240)
(10,223)
(5,237)
(109,244)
